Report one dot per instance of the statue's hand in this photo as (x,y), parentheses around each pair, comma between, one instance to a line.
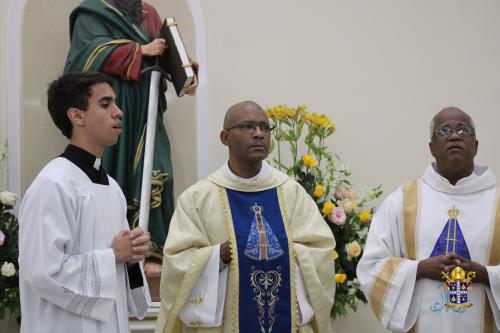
(155,48)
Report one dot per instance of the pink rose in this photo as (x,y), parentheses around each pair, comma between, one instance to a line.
(341,192)
(2,238)
(337,216)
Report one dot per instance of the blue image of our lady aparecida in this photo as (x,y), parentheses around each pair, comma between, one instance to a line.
(262,243)
(265,298)
(451,241)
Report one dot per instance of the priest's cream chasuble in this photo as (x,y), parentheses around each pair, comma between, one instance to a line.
(431,217)
(277,237)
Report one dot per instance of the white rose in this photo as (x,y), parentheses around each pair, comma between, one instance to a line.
(353,249)
(8,198)
(2,238)
(8,269)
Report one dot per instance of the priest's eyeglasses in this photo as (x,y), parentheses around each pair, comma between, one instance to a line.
(446,131)
(250,127)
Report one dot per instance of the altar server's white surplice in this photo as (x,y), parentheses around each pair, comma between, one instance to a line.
(398,239)
(69,279)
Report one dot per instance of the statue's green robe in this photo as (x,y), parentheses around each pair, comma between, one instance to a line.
(202,220)
(97,27)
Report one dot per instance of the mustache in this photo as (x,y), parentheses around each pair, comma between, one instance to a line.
(131,9)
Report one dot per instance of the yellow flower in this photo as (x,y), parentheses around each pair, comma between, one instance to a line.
(340,277)
(353,249)
(365,216)
(290,112)
(307,117)
(276,112)
(349,205)
(309,161)
(319,191)
(335,255)
(327,207)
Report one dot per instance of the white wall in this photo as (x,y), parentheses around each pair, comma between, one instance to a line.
(379,69)
(3,54)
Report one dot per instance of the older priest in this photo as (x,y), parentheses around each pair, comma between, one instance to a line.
(248,250)
(426,229)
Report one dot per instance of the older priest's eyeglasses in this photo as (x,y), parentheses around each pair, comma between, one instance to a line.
(446,131)
(250,127)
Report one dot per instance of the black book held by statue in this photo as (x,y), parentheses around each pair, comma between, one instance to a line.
(174,59)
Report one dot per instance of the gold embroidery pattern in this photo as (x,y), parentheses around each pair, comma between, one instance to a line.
(292,257)
(158,180)
(266,287)
(197,300)
(233,266)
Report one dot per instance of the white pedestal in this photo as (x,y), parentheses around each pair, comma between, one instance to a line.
(147,325)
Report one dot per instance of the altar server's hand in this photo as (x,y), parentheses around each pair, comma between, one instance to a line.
(432,268)
(155,48)
(122,246)
(472,266)
(225,252)
(141,245)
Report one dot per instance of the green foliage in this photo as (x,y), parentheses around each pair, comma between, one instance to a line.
(317,171)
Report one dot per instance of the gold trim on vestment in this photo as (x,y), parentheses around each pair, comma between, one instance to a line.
(410,204)
(291,256)
(99,48)
(493,259)
(138,151)
(233,265)
(410,215)
(133,60)
(116,10)
(382,282)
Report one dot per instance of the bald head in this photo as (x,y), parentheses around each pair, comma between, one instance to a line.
(448,112)
(238,111)
(453,144)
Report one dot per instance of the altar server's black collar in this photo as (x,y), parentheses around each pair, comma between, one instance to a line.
(88,163)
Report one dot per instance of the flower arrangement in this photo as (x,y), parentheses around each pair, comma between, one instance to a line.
(9,276)
(316,170)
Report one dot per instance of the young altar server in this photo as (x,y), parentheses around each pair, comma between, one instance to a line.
(78,260)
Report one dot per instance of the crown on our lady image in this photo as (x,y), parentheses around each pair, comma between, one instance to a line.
(256,208)
(453,212)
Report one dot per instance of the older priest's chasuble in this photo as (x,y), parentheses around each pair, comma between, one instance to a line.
(425,218)
(278,239)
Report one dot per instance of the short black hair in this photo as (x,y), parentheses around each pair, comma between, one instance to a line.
(71,90)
